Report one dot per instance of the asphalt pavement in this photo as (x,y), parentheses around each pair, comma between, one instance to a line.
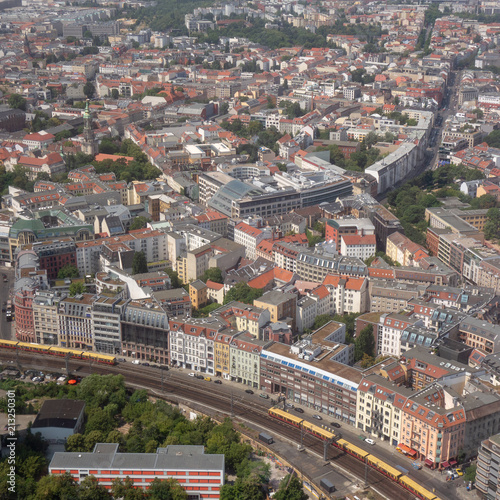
(6,289)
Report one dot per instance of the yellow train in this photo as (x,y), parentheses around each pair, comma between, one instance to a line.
(58,351)
(315,430)
(356,452)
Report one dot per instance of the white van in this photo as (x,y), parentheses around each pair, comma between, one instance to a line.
(136,362)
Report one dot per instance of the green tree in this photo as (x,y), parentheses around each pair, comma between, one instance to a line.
(89,90)
(139,263)
(115,94)
(90,489)
(92,438)
(76,288)
(213,274)
(290,489)
(470,473)
(367,361)
(364,343)
(139,223)
(493,139)
(16,101)
(174,277)
(223,108)
(125,489)
(321,320)
(75,442)
(56,487)
(166,490)
(492,226)
(108,146)
(484,201)
(242,489)
(68,271)
(241,292)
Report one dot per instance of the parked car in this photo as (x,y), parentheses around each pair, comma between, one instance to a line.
(459,471)
(249,391)
(208,379)
(200,377)
(121,360)
(318,417)
(335,424)
(370,441)
(299,410)
(416,465)
(264,395)
(218,381)
(191,374)
(145,364)
(288,405)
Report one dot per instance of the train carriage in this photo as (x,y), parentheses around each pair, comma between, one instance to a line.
(355,451)
(63,351)
(285,416)
(26,346)
(102,358)
(381,466)
(317,431)
(9,344)
(415,488)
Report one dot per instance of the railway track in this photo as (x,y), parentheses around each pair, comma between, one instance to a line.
(173,387)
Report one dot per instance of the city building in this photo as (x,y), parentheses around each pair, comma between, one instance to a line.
(58,419)
(182,463)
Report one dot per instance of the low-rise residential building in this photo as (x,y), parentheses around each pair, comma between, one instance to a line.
(215,292)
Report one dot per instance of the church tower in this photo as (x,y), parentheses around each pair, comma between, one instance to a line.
(26,46)
(89,146)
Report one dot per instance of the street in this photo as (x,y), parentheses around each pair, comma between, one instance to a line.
(6,330)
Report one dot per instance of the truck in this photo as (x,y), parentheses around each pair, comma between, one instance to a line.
(266,438)
(327,485)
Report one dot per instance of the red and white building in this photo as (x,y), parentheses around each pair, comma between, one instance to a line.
(201,475)
(38,140)
(250,237)
(354,245)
